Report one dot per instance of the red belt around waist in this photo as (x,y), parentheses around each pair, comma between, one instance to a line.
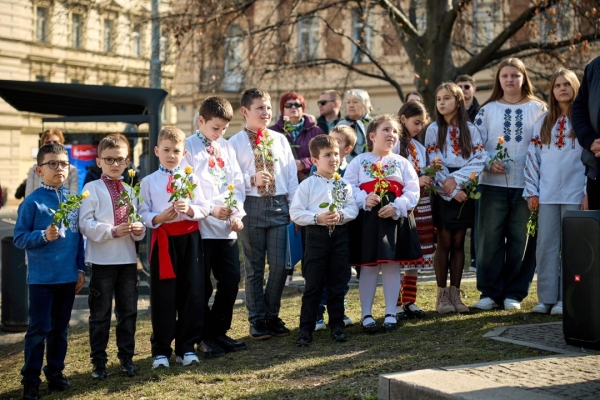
(161,234)
(394,187)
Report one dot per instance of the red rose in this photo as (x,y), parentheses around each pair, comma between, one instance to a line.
(211,162)
(220,162)
(259,135)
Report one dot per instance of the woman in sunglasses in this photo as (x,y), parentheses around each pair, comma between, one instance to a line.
(299,128)
(358,116)
(34,180)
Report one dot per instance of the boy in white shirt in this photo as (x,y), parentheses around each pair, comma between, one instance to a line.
(214,162)
(110,253)
(172,207)
(324,204)
(270,180)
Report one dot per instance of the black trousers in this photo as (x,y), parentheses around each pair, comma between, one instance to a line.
(325,263)
(122,281)
(222,257)
(593,191)
(177,305)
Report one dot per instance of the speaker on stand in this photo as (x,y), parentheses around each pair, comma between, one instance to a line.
(581,278)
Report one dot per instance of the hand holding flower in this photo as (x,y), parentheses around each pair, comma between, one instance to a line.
(183,207)
(262,178)
(328,218)
(52,233)
(372,200)
(532,223)
(498,162)
(424,181)
(236,224)
(221,212)
(137,228)
(532,203)
(72,203)
(123,229)
(169,214)
(461,196)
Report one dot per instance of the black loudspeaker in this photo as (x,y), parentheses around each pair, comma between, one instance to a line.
(581,278)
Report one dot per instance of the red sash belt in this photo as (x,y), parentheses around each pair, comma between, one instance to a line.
(161,234)
(393,187)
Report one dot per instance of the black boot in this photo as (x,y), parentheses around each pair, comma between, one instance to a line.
(31,391)
(99,371)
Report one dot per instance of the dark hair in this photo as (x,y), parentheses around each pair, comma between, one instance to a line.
(413,93)
(249,95)
(216,107)
(374,124)
(52,148)
(461,120)
(113,141)
(465,78)
(409,110)
(321,142)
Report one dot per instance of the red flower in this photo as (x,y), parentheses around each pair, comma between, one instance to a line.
(220,162)
(211,162)
(259,135)
(170,185)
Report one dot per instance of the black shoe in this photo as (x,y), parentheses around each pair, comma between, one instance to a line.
(228,344)
(31,391)
(59,383)
(127,367)
(277,327)
(304,339)
(210,349)
(338,335)
(389,326)
(402,315)
(371,327)
(259,330)
(414,312)
(99,371)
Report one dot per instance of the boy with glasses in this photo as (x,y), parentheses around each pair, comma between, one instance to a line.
(55,272)
(104,220)
(329,109)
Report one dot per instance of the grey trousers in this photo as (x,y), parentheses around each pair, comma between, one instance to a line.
(549,263)
(264,236)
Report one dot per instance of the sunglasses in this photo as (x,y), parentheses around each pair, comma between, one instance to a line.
(54,164)
(112,161)
(466,87)
(292,105)
(323,102)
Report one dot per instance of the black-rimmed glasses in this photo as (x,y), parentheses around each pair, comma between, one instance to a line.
(112,161)
(54,164)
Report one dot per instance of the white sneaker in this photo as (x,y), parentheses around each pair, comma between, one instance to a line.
(289,280)
(188,359)
(542,308)
(511,304)
(486,303)
(347,321)
(160,362)
(557,309)
(353,271)
(320,326)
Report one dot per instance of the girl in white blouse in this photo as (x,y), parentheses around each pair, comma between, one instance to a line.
(554,179)
(505,267)
(454,141)
(386,189)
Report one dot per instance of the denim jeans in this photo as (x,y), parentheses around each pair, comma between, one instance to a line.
(505,267)
(122,281)
(49,314)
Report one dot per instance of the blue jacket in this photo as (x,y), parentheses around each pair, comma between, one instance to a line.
(48,262)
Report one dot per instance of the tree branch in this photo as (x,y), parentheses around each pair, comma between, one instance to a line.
(400,18)
(544,46)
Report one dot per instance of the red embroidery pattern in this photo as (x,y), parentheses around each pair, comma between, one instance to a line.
(432,148)
(478,148)
(454,138)
(114,190)
(412,149)
(536,141)
(560,138)
(259,163)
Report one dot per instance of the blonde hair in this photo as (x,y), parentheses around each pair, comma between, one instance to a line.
(526,88)
(554,108)
(52,132)
(112,141)
(347,132)
(171,133)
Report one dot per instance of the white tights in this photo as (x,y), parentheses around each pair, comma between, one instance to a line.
(367,286)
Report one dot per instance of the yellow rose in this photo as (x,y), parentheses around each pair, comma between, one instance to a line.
(500,139)
(131,173)
(85,194)
(337,176)
(230,187)
(188,170)
(473,176)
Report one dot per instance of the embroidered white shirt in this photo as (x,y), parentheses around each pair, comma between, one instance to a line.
(316,190)
(554,171)
(397,169)
(216,171)
(96,220)
(286,172)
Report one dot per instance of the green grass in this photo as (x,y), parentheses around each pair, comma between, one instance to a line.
(277,369)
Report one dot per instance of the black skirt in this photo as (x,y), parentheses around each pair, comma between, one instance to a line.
(375,240)
(449,215)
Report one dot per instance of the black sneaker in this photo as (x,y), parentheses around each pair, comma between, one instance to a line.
(338,335)
(228,344)
(99,371)
(127,367)
(277,327)
(259,330)
(59,382)
(31,391)
(210,349)
(304,339)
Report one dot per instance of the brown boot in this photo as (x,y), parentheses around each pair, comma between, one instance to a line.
(443,304)
(456,301)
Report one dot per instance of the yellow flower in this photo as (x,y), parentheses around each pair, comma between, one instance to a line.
(188,170)
(230,187)
(337,176)
(500,139)
(473,176)
(85,194)
(131,173)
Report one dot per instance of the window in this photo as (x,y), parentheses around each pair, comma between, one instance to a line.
(233,59)
(307,38)
(40,78)
(136,38)
(362,33)
(42,22)
(164,48)
(108,35)
(76,30)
